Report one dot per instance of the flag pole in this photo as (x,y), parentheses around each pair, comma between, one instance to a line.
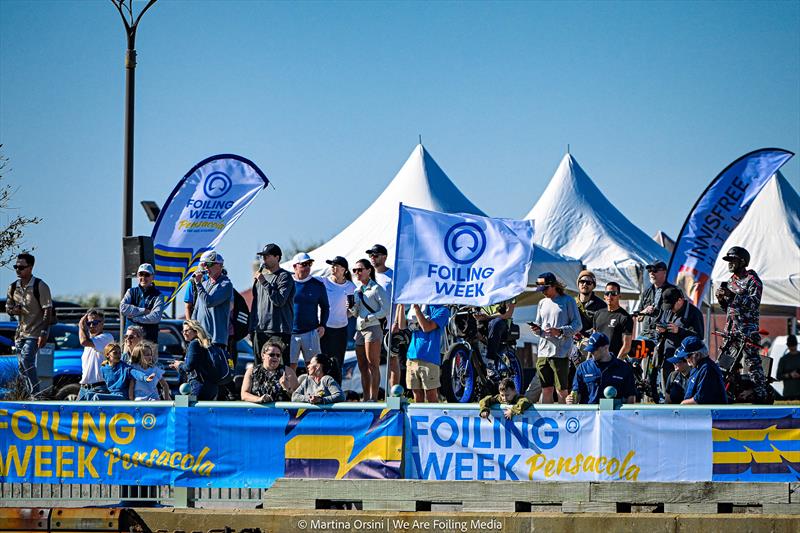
(390,322)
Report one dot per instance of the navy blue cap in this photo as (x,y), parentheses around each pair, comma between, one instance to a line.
(597,340)
(545,279)
(689,346)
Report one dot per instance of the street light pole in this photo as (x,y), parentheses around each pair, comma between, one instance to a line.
(125,8)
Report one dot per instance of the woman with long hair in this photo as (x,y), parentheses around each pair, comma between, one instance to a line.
(270,381)
(370,305)
(340,287)
(148,374)
(197,365)
(318,386)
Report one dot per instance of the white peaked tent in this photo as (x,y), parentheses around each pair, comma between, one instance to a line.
(770,231)
(419,183)
(575,219)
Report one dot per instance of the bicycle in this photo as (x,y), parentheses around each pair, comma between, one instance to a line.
(739,386)
(466,373)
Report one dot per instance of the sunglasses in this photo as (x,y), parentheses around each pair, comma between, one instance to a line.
(357,270)
(21,267)
(375,255)
(651,270)
(207,265)
(611,293)
(586,282)
(307,264)
(94,322)
(144,274)
(131,336)
(272,354)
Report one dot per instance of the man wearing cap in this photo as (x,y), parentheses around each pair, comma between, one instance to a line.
(789,370)
(143,304)
(740,297)
(311,310)
(557,320)
(706,384)
(384,277)
(677,381)
(272,310)
(213,298)
(681,319)
(614,322)
(587,300)
(599,371)
(650,308)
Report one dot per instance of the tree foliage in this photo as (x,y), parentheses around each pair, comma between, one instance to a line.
(12,225)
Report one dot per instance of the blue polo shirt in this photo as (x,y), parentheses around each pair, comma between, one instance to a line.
(591,379)
(706,384)
(428,346)
(117,377)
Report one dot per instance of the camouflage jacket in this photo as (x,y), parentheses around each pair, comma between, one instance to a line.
(743,312)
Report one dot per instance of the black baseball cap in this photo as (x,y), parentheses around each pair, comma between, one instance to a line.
(545,279)
(658,265)
(378,249)
(271,249)
(338,260)
(669,297)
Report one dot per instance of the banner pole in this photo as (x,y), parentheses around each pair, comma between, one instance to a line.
(390,322)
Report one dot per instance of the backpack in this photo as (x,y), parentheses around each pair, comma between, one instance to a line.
(223,373)
(240,317)
(38,296)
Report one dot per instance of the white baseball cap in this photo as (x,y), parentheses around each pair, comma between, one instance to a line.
(212,256)
(301,257)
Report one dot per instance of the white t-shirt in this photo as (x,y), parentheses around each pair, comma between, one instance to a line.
(337,299)
(92,358)
(385,279)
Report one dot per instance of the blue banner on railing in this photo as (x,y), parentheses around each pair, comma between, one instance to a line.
(157,444)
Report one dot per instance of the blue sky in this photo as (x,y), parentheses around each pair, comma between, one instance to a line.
(654,98)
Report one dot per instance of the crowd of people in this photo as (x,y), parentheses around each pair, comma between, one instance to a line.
(583,349)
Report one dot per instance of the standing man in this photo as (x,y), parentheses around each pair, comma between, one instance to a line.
(498,318)
(599,371)
(143,304)
(681,319)
(213,298)
(384,277)
(587,300)
(789,370)
(706,384)
(557,320)
(740,297)
(272,311)
(615,322)
(650,308)
(424,356)
(311,310)
(29,300)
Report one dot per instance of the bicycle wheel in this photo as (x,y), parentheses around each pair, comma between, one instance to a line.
(458,374)
(510,367)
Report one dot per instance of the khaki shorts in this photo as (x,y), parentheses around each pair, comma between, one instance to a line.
(371,334)
(422,375)
(554,371)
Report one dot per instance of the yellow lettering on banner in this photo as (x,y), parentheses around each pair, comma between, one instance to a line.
(138,458)
(588,465)
(128,429)
(126,461)
(174,457)
(43,425)
(42,461)
(74,426)
(601,463)
(188,457)
(12,456)
(152,458)
(163,459)
(62,462)
(585,463)
(18,432)
(54,427)
(203,453)
(3,412)
(85,462)
(99,429)
(613,466)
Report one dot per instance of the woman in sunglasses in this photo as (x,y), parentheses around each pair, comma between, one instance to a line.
(270,381)
(134,335)
(370,305)
(197,366)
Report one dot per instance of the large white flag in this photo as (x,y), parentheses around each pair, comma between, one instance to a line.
(460,259)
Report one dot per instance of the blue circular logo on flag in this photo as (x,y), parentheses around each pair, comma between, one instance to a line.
(464,243)
(573,425)
(217,184)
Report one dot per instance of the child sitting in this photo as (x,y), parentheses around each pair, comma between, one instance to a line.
(147,375)
(507,395)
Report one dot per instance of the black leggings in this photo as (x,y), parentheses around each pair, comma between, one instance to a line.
(334,344)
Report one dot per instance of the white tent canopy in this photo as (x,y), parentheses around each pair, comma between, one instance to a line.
(770,231)
(419,183)
(575,219)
